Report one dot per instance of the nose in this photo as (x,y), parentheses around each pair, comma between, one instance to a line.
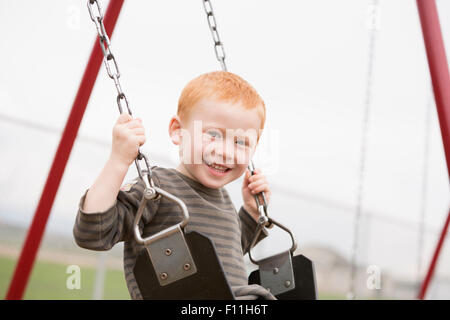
(225,152)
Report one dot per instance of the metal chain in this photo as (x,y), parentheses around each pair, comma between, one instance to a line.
(363,147)
(218,45)
(220,55)
(95,12)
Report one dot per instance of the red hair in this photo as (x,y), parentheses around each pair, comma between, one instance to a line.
(220,86)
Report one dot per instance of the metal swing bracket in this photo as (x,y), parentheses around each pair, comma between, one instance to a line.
(167,249)
(276,272)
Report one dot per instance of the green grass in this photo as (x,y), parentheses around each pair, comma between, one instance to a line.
(48,282)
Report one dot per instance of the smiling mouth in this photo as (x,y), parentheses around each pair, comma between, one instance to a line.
(217,168)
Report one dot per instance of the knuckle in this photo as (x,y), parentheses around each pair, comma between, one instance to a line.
(118,132)
(128,136)
(125,117)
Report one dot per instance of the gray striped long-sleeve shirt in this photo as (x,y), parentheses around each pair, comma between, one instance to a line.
(211,212)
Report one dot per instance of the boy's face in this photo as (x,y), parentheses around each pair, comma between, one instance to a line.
(217,134)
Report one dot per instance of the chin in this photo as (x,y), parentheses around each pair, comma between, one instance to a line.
(210,183)
(213,185)
(213,179)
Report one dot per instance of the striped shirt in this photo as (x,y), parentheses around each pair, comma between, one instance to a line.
(211,212)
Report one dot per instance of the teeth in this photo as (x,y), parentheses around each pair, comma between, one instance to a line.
(217,167)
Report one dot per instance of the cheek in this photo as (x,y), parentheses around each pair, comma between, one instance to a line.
(191,151)
(207,149)
(240,170)
(242,157)
(198,146)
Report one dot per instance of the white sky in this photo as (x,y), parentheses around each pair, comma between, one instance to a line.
(307,59)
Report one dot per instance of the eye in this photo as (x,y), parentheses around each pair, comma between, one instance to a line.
(214,133)
(241,142)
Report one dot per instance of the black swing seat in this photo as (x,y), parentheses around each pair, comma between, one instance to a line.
(208,283)
(179,265)
(303,275)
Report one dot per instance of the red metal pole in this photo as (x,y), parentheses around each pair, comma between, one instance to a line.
(426,282)
(437,62)
(37,228)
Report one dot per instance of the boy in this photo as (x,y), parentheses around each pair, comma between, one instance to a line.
(210,107)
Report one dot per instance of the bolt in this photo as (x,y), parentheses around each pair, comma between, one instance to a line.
(275,270)
(164,276)
(263,220)
(187,266)
(149,194)
(287,283)
(168,252)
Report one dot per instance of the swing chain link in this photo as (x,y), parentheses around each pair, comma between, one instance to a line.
(112,68)
(218,45)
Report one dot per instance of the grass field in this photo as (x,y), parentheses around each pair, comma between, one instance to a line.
(48,282)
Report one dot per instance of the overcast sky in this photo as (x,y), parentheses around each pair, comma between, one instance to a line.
(307,59)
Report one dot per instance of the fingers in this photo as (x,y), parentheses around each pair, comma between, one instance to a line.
(256,182)
(258,186)
(246,176)
(131,129)
(257,174)
(135,123)
(124,118)
(139,135)
(128,121)
(138,131)
(140,140)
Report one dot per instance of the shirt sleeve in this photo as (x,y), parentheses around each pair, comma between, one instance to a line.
(248,229)
(100,231)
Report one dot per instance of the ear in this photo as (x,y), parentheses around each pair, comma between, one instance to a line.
(175,130)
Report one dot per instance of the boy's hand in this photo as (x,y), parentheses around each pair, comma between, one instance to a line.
(254,184)
(128,136)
